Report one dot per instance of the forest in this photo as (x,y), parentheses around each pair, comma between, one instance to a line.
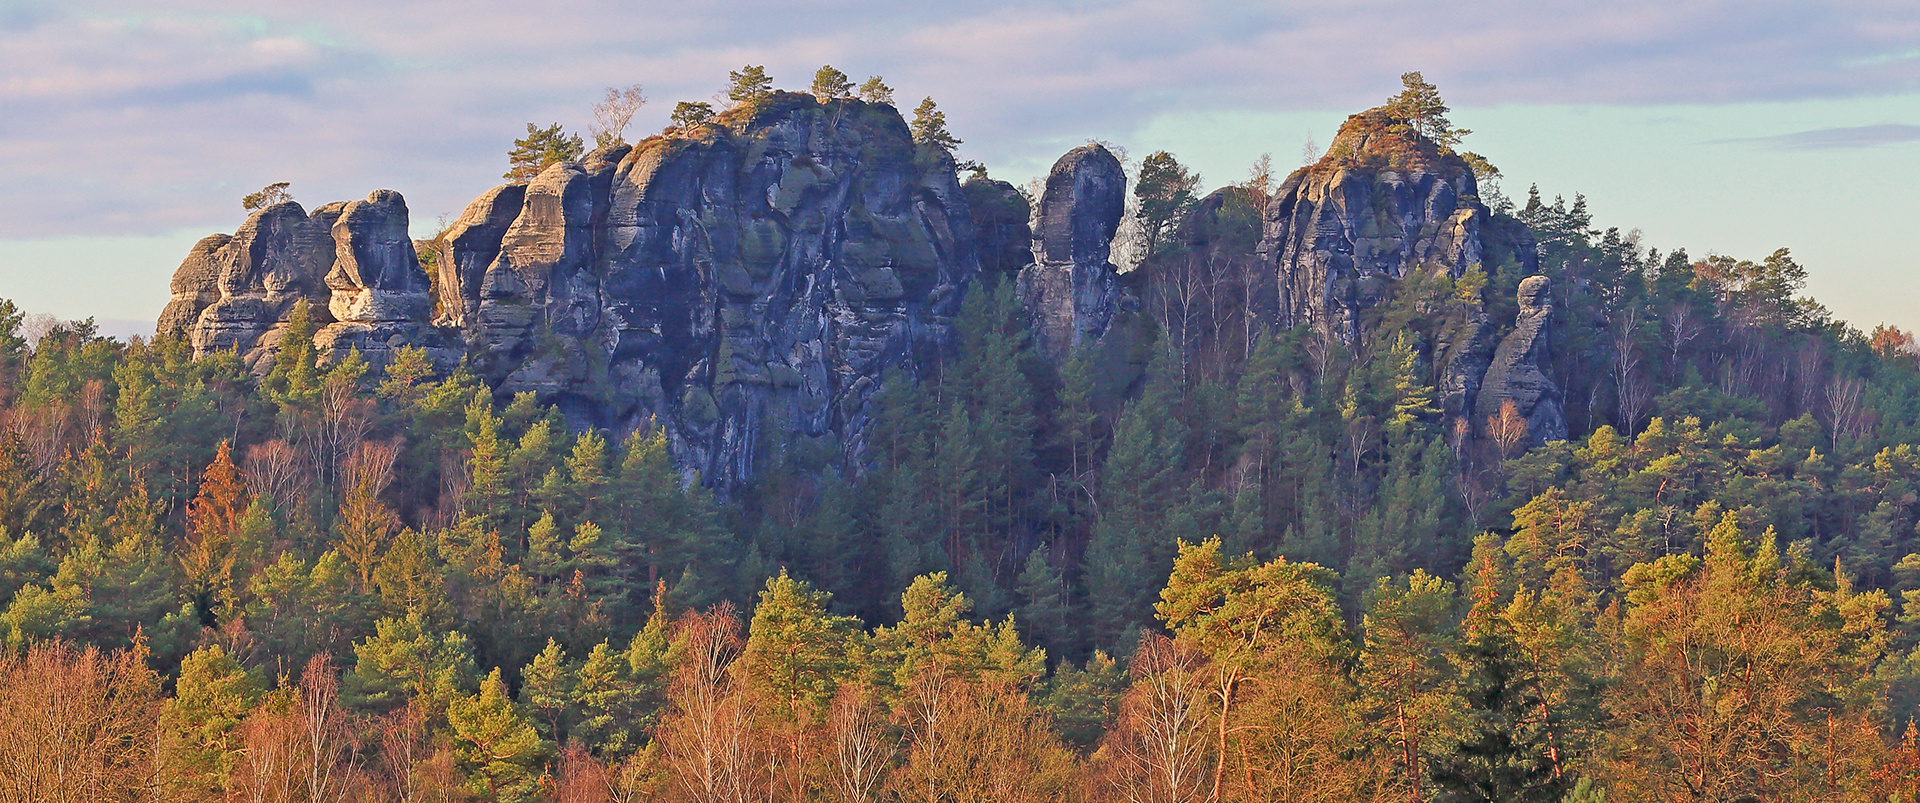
(1265,570)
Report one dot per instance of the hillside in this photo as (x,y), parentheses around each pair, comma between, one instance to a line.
(766,457)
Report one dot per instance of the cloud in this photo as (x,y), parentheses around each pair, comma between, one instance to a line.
(1851,137)
(118,118)
(1866,136)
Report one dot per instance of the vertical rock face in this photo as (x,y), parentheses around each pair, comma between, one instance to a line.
(468,248)
(1071,290)
(1341,232)
(1002,221)
(279,257)
(744,283)
(1518,370)
(196,284)
(379,294)
(759,276)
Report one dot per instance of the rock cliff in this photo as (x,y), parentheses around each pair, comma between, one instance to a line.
(1071,290)
(1386,204)
(1517,373)
(744,282)
(747,282)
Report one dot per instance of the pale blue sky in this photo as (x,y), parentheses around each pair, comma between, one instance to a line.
(129,130)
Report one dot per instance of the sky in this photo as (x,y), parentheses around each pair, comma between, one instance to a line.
(129,130)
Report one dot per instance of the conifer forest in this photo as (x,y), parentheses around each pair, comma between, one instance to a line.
(1263,527)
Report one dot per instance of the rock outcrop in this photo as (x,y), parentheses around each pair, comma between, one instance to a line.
(1383,206)
(1340,233)
(744,282)
(237,293)
(1518,372)
(379,298)
(1002,222)
(1071,290)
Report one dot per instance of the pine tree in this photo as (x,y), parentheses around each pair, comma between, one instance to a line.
(1506,750)
(796,652)
(831,84)
(500,751)
(1044,606)
(1165,193)
(199,742)
(930,126)
(874,90)
(540,148)
(548,687)
(749,83)
(406,662)
(1407,701)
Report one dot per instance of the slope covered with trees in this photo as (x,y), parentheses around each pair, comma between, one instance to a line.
(1272,566)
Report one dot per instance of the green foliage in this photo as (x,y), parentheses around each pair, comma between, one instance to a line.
(1420,108)
(540,148)
(500,751)
(748,84)
(831,84)
(1165,190)
(874,90)
(275,193)
(687,114)
(929,126)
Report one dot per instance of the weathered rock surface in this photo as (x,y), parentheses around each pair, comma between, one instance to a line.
(1518,372)
(745,283)
(1340,233)
(1071,290)
(196,284)
(279,257)
(1002,221)
(379,298)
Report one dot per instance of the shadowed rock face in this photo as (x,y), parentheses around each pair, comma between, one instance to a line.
(1071,290)
(379,295)
(1518,370)
(1341,232)
(744,283)
(1001,219)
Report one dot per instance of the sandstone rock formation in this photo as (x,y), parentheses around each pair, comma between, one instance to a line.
(1071,290)
(379,300)
(1518,370)
(1001,221)
(236,293)
(744,283)
(1382,203)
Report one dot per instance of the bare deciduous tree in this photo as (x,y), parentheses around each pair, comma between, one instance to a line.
(862,746)
(614,113)
(1157,752)
(79,724)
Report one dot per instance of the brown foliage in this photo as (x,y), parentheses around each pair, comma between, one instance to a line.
(1158,751)
(305,752)
(213,519)
(365,521)
(78,725)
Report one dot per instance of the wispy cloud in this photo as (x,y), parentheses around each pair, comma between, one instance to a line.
(1864,136)
(175,114)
